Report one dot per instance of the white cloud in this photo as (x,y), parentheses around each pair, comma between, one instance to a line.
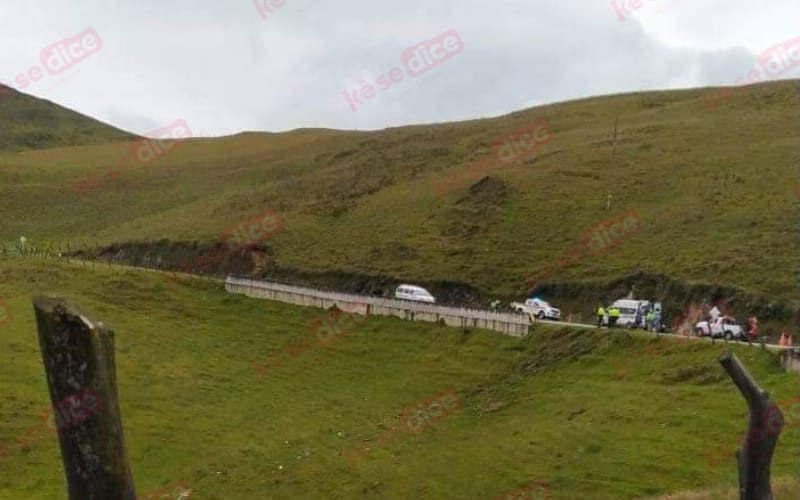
(223,68)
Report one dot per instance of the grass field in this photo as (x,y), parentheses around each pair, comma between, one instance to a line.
(233,398)
(598,414)
(715,189)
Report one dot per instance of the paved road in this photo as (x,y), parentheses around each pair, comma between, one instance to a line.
(774,347)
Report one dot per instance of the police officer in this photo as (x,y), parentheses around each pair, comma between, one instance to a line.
(601,312)
(613,316)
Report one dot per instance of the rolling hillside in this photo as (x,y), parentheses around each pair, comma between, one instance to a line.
(30,123)
(588,414)
(713,189)
(223,394)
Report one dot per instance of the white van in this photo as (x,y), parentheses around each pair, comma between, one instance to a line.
(415,293)
(629,310)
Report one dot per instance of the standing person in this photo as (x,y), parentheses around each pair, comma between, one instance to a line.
(613,316)
(752,330)
(601,312)
(648,320)
(786,338)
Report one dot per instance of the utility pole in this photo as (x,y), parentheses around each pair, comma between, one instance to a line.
(613,160)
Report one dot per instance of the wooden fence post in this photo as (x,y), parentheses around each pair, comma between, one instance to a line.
(766,422)
(78,360)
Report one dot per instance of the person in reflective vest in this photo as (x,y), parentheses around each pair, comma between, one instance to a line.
(613,316)
(648,320)
(601,313)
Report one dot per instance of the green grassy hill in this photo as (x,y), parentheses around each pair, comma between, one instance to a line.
(592,414)
(27,122)
(713,188)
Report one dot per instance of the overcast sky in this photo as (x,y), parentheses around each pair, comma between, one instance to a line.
(226,66)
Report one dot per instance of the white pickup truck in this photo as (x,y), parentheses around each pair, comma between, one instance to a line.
(538,308)
(724,326)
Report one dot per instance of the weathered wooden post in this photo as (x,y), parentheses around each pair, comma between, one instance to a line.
(78,360)
(766,422)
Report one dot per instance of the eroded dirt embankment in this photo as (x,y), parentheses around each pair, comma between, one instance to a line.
(259,262)
(578,298)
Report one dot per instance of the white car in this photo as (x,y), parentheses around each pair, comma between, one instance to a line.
(415,293)
(538,307)
(723,326)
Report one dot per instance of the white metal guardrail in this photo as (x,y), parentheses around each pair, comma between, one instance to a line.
(508,323)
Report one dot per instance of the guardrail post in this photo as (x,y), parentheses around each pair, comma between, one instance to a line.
(78,358)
